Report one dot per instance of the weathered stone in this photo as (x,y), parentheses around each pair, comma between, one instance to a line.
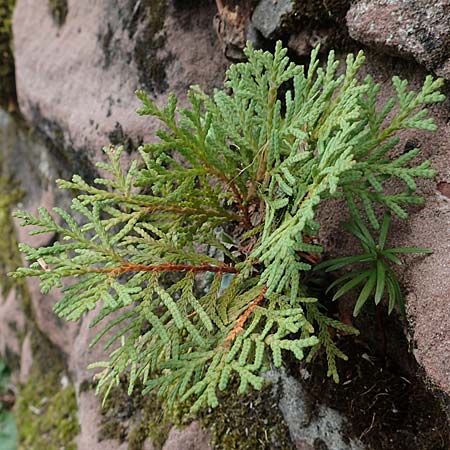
(307,428)
(429,289)
(90,67)
(26,359)
(301,444)
(188,53)
(90,418)
(416,29)
(148,445)
(190,438)
(33,168)
(444,189)
(12,326)
(269,16)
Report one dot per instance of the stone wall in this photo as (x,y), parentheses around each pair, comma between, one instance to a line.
(77,66)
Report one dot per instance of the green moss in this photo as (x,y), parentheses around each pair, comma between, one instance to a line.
(9,256)
(247,422)
(58,10)
(155,424)
(134,418)
(7,80)
(46,412)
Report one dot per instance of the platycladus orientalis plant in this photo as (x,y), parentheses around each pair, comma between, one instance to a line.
(195,256)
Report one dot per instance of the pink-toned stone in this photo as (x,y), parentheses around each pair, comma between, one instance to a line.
(89,419)
(444,189)
(148,445)
(12,325)
(65,85)
(190,438)
(419,29)
(302,444)
(81,355)
(429,290)
(26,359)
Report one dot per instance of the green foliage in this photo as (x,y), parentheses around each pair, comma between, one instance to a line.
(194,257)
(378,278)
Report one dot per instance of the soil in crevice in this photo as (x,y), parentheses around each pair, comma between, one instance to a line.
(382,392)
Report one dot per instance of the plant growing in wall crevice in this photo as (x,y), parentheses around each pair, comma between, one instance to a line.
(195,256)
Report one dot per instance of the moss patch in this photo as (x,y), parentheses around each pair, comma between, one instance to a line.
(9,257)
(58,11)
(243,422)
(7,79)
(134,418)
(46,411)
(247,422)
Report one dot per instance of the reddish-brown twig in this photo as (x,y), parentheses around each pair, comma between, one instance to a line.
(170,267)
(239,327)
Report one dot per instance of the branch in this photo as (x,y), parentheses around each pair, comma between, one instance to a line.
(239,327)
(169,267)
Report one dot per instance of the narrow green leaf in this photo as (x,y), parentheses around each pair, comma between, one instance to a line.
(384,231)
(381,278)
(352,283)
(365,292)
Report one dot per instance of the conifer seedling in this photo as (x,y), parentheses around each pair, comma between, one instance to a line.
(195,255)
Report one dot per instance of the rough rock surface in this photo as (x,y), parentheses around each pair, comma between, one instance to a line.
(308,430)
(418,29)
(89,416)
(77,82)
(189,438)
(33,167)
(12,325)
(268,16)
